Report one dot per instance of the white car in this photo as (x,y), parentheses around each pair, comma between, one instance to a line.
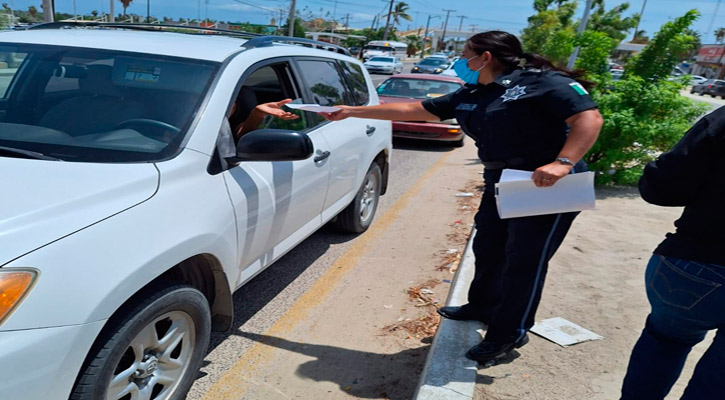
(384,65)
(128,216)
(697,80)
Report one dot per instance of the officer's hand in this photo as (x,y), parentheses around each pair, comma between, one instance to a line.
(548,174)
(344,112)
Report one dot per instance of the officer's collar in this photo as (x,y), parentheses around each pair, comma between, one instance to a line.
(508,77)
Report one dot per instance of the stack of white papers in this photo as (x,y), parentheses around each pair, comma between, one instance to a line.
(312,107)
(563,332)
(518,196)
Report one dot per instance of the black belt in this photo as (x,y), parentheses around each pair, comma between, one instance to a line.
(510,163)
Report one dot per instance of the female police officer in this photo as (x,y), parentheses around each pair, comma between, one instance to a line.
(535,118)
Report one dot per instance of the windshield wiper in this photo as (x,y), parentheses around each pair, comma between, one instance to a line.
(27,154)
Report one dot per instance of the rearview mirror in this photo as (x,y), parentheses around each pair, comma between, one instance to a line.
(274,145)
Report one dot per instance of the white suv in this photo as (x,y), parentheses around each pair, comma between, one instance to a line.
(127,215)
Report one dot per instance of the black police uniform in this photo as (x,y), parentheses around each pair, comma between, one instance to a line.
(519,122)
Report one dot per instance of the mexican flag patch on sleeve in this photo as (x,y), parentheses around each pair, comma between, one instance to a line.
(578,88)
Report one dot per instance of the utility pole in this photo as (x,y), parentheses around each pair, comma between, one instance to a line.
(460,25)
(582,27)
(75,14)
(48,11)
(636,28)
(347,21)
(334,12)
(198,11)
(445,28)
(714,15)
(387,23)
(474,27)
(111,12)
(291,19)
(425,35)
(372,26)
(148,11)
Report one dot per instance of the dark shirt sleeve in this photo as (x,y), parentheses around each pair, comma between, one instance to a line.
(677,177)
(564,97)
(443,107)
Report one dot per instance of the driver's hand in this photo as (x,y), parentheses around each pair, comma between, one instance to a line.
(275,109)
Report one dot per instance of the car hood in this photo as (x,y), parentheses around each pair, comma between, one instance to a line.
(428,67)
(43,201)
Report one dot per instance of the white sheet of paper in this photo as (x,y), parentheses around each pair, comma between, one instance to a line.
(312,107)
(518,196)
(563,332)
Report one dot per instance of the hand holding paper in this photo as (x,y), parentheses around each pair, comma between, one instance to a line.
(518,196)
(316,108)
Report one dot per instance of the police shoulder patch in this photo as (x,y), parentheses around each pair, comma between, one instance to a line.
(578,88)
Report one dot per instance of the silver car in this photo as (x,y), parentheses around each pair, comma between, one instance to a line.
(384,65)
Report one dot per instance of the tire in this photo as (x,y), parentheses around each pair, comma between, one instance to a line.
(458,143)
(137,329)
(702,92)
(358,215)
(692,91)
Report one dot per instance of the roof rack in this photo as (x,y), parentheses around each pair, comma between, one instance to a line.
(141,27)
(255,39)
(266,41)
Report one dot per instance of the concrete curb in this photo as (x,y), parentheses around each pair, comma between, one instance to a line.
(448,374)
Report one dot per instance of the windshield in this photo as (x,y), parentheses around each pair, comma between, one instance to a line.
(433,61)
(416,88)
(89,105)
(382,59)
(383,48)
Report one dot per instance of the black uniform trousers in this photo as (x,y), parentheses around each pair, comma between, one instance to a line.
(512,257)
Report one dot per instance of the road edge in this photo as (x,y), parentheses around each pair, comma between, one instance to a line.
(448,374)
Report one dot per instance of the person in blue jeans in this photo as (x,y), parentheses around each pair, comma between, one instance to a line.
(685,277)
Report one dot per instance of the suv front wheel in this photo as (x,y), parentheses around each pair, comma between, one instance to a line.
(357,217)
(153,351)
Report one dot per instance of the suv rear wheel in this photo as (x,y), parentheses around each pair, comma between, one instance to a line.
(153,351)
(357,217)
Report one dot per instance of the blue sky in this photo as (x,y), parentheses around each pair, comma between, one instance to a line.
(507,15)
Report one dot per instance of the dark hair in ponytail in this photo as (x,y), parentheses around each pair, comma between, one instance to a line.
(507,50)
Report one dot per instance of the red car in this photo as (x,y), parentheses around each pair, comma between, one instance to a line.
(408,88)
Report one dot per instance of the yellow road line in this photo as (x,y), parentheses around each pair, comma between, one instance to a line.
(233,384)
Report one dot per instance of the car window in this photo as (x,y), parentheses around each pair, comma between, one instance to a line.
(433,61)
(9,64)
(92,105)
(416,88)
(325,83)
(381,59)
(269,83)
(357,83)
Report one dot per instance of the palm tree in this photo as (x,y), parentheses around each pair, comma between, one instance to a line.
(33,11)
(125,3)
(400,11)
(720,35)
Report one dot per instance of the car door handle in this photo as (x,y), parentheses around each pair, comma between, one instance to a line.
(322,156)
(370,130)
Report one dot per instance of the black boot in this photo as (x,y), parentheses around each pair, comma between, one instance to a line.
(461,313)
(487,351)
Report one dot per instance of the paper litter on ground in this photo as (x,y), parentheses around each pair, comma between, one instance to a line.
(563,332)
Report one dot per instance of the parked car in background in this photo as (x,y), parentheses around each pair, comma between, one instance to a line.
(409,88)
(384,65)
(713,87)
(431,65)
(130,216)
(697,79)
(616,74)
(440,55)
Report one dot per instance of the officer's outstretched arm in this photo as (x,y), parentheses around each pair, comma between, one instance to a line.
(392,112)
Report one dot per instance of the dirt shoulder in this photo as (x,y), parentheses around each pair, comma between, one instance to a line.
(596,280)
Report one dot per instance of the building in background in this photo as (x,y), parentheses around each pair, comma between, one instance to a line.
(709,61)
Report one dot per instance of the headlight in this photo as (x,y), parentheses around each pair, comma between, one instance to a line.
(438,70)
(415,68)
(15,283)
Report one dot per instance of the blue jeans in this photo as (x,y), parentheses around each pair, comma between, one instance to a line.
(687,300)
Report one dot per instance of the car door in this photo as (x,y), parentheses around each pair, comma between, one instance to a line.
(350,140)
(277,204)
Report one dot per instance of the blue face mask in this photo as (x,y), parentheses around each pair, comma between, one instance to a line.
(464,73)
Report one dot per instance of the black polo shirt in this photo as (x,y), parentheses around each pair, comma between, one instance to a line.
(519,120)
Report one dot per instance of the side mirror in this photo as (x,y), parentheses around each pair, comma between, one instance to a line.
(274,145)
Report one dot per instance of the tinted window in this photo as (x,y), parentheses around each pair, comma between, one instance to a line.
(356,80)
(103,106)
(433,61)
(9,64)
(382,59)
(325,83)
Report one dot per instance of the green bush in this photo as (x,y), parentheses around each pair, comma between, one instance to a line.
(642,119)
